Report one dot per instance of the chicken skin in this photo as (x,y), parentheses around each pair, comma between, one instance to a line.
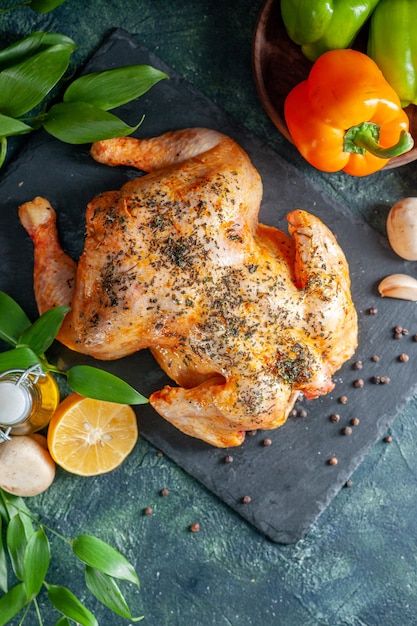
(242,316)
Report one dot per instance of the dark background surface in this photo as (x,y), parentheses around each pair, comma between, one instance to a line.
(357,563)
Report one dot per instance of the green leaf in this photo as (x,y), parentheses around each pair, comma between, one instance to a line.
(17,358)
(30,45)
(16,544)
(24,85)
(9,126)
(41,334)
(80,122)
(3,150)
(44,6)
(15,505)
(100,555)
(36,562)
(4,514)
(63,621)
(3,561)
(13,319)
(12,603)
(69,605)
(106,590)
(112,88)
(96,383)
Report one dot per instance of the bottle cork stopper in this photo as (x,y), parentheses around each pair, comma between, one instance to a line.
(14,403)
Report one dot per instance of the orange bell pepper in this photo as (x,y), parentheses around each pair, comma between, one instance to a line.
(346,116)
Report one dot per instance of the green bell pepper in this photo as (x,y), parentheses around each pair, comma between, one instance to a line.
(322,25)
(393,46)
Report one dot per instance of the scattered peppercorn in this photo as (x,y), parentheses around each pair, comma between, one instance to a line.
(251,433)
(347,430)
(348,483)
(246,500)
(388,439)
(164,492)
(403,358)
(293,413)
(159,453)
(195,528)
(399,331)
(267,442)
(385,380)
(376,380)
(302,413)
(335,417)
(355,421)
(228,459)
(343,399)
(332,461)
(359,383)
(414,337)
(375,358)
(148,510)
(373,310)
(358,365)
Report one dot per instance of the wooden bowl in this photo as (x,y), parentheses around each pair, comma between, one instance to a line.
(279,65)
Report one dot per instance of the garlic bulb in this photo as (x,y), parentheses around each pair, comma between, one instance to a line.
(402,228)
(399,286)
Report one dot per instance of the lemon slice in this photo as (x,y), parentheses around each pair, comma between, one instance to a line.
(90,437)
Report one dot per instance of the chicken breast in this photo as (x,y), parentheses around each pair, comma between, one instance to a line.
(242,316)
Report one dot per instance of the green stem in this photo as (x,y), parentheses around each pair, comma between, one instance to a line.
(15,6)
(38,613)
(365,138)
(27,611)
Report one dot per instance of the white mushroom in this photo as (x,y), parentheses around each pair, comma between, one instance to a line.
(26,467)
(402,228)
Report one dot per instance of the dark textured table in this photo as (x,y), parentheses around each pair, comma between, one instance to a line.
(356,566)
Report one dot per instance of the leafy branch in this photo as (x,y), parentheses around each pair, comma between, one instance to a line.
(28,552)
(30,342)
(32,67)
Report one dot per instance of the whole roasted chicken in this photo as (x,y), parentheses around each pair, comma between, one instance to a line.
(242,316)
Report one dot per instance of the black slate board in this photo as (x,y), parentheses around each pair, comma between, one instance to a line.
(289,482)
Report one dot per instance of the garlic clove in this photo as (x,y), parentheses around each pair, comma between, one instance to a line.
(402,228)
(399,286)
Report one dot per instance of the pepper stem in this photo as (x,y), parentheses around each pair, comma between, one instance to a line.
(365,137)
